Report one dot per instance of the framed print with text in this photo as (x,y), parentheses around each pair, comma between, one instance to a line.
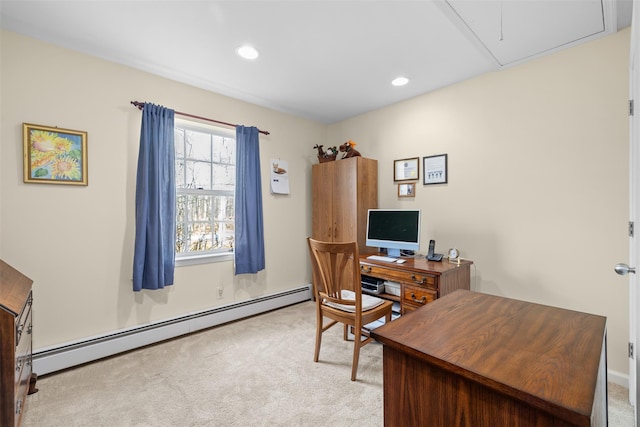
(53,155)
(406,169)
(435,169)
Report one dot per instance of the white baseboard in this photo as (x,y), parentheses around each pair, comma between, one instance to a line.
(75,353)
(618,378)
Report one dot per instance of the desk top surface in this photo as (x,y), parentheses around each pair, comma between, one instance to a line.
(528,350)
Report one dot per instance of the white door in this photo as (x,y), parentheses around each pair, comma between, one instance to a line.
(634,203)
(634,210)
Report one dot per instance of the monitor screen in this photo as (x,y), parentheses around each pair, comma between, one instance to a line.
(393,230)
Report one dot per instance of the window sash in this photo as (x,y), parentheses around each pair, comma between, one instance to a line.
(205,216)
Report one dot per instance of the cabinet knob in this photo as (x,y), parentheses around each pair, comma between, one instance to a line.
(419,282)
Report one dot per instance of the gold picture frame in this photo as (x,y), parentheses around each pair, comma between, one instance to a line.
(54,155)
(407,190)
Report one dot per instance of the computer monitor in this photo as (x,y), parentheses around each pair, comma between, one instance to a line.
(393,230)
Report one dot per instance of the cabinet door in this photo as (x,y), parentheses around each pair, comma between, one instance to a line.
(322,209)
(367,188)
(345,201)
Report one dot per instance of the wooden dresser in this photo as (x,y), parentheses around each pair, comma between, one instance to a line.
(477,360)
(15,343)
(421,281)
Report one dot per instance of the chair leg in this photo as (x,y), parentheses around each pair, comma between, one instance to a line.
(346,332)
(319,327)
(356,355)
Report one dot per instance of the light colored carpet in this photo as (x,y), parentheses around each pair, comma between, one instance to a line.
(254,372)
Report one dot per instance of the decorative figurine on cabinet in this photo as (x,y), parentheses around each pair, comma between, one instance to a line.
(326,156)
(348,150)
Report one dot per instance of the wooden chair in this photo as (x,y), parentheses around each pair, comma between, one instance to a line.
(338,295)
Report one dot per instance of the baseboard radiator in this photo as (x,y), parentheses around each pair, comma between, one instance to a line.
(76,353)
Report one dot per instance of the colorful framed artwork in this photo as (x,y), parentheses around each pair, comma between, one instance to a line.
(435,169)
(406,169)
(54,156)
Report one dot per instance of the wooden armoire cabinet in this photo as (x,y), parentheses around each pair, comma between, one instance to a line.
(343,191)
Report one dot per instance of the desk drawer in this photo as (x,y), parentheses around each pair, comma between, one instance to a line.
(417,296)
(394,275)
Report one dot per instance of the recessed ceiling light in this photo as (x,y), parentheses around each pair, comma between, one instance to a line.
(247,52)
(400,81)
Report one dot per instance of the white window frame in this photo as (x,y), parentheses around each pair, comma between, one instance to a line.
(193,259)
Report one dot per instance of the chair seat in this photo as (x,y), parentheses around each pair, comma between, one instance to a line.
(368,302)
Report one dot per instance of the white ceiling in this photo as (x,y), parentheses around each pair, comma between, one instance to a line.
(325,60)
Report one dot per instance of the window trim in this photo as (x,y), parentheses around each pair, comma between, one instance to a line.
(204,259)
(182,260)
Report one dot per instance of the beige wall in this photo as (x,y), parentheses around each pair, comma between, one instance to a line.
(537,194)
(76,243)
(538,177)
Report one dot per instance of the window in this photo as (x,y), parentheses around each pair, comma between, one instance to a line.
(205,190)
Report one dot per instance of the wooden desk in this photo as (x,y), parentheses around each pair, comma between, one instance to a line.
(471,359)
(421,281)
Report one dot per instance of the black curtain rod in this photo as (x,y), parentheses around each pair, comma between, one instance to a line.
(140,106)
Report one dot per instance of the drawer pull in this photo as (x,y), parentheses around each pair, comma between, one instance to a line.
(19,330)
(421,282)
(365,270)
(420,301)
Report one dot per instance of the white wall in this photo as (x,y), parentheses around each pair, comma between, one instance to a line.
(76,243)
(538,177)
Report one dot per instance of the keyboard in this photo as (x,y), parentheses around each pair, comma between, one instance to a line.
(381,258)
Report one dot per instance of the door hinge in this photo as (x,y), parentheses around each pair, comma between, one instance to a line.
(630,350)
(631,228)
(631,107)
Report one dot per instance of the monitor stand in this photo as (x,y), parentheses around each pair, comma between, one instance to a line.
(394,253)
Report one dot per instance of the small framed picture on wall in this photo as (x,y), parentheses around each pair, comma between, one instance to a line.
(435,169)
(407,190)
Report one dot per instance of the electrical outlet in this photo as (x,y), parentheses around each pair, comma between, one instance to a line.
(220,291)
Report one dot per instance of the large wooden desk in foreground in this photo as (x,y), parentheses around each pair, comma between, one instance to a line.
(470,359)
